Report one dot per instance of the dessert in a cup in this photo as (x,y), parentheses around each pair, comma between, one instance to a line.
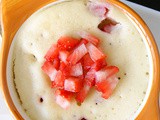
(80,59)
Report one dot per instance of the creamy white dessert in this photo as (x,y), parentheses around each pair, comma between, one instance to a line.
(124,48)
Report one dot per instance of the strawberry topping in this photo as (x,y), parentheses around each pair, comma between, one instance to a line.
(107,25)
(75,66)
(99,9)
(67,43)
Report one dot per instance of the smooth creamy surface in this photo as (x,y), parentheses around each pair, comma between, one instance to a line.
(124,48)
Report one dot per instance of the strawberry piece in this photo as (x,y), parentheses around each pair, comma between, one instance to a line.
(83,41)
(90,38)
(77,54)
(63,55)
(99,64)
(107,86)
(106,80)
(59,80)
(105,73)
(76,70)
(99,9)
(73,84)
(82,94)
(50,70)
(52,53)
(90,77)
(107,25)
(56,63)
(94,52)
(65,68)
(63,98)
(67,43)
(87,62)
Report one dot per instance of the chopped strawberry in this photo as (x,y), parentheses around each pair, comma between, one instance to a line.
(50,70)
(63,98)
(90,38)
(73,84)
(94,52)
(82,94)
(59,80)
(76,70)
(56,63)
(90,77)
(105,73)
(65,68)
(75,66)
(77,54)
(99,9)
(107,86)
(63,55)
(67,43)
(106,80)
(107,25)
(83,41)
(52,53)
(87,62)
(99,64)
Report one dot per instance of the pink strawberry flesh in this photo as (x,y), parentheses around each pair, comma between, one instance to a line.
(59,80)
(63,98)
(107,25)
(90,77)
(77,54)
(99,9)
(73,84)
(52,53)
(94,52)
(50,70)
(90,38)
(76,70)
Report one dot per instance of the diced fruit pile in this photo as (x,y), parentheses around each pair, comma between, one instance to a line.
(76,65)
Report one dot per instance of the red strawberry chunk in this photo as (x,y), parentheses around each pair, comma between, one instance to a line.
(99,64)
(76,70)
(83,41)
(107,25)
(67,43)
(87,62)
(52,53)
(106,80)
(82,94)
(90,77)
(63,98)
(59,80)
(63,55)
(50,70)
(77,54)
(56,63)
(73,84)
(94,52)
(107,86)
(90,38)
(105,73)
(98,8)
(65,68)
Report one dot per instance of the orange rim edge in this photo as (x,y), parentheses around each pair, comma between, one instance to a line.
(136,18)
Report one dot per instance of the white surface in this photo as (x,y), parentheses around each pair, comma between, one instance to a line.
(151,17)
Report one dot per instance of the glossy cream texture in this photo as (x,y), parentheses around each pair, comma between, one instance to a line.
(124,48)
